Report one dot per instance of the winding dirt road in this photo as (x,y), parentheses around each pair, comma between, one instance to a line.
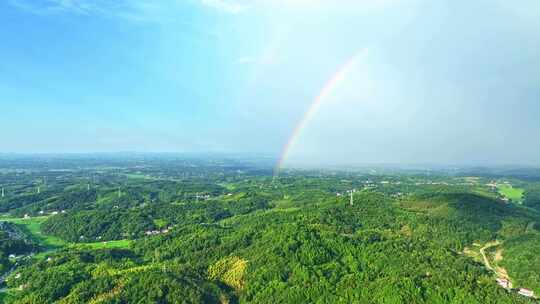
(483,253)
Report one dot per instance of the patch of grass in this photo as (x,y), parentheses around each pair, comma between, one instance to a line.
(514,194)
(103,245)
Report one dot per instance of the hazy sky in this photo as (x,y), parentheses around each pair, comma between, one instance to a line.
(435,81)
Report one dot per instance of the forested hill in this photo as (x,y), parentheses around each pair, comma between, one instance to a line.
(135,237)
(321,250)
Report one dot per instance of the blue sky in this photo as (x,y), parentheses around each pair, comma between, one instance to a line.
(442,81)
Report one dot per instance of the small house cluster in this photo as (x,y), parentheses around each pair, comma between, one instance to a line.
(49,213)
(157,232)
(202,197)
(506,284)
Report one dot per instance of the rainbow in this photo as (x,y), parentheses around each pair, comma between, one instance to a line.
(326,91)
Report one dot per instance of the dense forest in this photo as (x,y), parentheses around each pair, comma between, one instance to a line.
(141,235)
(532,195)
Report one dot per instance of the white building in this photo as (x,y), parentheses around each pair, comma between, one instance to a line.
(504,283)
(526,292)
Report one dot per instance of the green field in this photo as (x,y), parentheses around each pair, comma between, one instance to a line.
(32,227)
(514,194)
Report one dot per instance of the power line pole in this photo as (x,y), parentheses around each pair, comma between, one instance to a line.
(3,194)
(352,198)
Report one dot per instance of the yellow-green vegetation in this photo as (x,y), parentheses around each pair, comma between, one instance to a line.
(230,270)
(508,191)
